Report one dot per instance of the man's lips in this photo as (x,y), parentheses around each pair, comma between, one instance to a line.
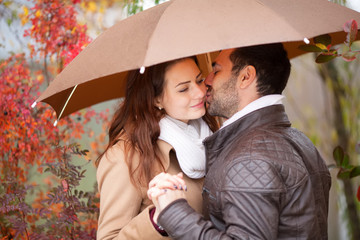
(208,93)
(208,96)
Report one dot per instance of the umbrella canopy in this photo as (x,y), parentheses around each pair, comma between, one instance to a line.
(181,28)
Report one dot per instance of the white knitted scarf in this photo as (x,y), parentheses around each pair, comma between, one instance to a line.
(187,139)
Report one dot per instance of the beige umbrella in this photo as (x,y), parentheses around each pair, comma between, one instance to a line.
(181,28)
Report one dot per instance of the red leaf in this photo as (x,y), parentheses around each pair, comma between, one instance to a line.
(349,56)
(352,29)
(65,185)
(358,194)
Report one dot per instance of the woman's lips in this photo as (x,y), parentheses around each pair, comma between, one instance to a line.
(200,104)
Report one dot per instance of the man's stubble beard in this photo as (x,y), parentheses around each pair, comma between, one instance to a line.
(226,101)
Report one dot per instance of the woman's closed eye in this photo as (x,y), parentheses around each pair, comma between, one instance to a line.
(183,89)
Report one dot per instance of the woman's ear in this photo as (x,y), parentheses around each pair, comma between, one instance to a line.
(247,76)
(158,103)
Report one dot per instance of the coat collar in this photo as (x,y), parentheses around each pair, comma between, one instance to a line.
(165,149)
(272,115)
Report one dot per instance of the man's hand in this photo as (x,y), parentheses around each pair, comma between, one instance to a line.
(165,199)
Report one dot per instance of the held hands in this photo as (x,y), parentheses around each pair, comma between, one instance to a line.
(164,189)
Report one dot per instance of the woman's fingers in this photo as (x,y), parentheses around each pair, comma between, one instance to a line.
(154,192)
(156,179)
(166,180)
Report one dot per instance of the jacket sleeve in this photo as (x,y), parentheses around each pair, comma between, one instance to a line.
(120,201)
(248,211)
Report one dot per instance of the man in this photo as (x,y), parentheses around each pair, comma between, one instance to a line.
(264,179)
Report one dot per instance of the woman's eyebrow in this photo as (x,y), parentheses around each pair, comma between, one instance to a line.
(182,83)
(188,81)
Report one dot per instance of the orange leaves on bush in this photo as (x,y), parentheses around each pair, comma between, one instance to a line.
(26,134)
(56,31)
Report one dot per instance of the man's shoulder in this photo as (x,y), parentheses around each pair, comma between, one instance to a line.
(265,160)
(252,175)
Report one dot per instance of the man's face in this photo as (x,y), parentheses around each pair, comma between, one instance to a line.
(222,97)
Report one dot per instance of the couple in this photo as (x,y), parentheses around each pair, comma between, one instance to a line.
(261,179)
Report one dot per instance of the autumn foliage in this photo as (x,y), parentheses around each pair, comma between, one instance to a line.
(55,30)
(30,144)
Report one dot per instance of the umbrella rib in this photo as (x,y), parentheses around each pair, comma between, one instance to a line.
(282,17)
(152,34)
(66,103)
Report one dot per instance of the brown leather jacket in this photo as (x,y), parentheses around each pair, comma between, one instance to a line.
(265,180)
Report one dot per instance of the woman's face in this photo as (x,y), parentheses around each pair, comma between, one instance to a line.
(184,91)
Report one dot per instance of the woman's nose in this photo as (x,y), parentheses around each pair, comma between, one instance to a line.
(200,91)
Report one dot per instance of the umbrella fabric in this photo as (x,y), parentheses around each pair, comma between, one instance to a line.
(181,28)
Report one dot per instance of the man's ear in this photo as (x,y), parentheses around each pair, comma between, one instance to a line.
(247,76)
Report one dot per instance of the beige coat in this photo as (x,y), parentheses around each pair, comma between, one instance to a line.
(124,209)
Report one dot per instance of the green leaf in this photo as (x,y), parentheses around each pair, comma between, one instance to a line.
(323,39)
(322,58)
(7,4)
(345,162)
(355,172)
(338,155)
(310,48)
(9,21)
(344,174)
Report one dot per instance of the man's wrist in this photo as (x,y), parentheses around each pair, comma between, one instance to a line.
(169,206)
(158,228)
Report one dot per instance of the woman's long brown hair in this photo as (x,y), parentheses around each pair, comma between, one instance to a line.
(138,119)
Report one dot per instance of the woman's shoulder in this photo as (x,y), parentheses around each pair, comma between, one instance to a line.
(115,155)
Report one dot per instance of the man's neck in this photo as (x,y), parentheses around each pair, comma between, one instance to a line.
(258,103)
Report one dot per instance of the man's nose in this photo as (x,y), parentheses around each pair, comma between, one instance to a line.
(209,79)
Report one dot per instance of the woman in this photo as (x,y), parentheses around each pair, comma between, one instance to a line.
(163,111)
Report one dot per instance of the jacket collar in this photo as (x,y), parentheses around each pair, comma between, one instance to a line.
(264,101)
(272,115)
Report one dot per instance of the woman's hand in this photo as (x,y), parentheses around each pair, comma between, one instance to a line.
(168,181)
(164,189)
(163,182)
